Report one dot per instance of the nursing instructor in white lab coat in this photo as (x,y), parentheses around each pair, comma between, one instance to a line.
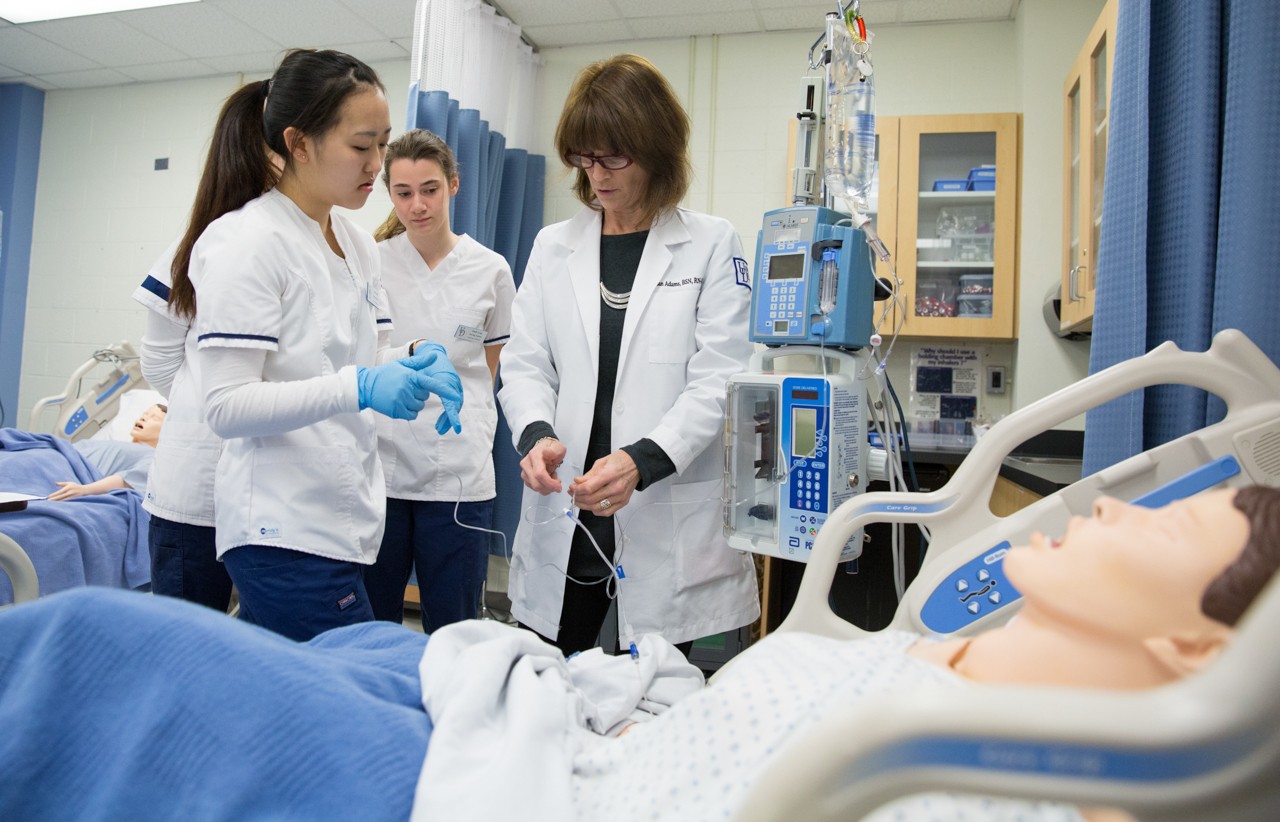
(629,319)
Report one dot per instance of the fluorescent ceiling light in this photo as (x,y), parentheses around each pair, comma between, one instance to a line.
(29,11)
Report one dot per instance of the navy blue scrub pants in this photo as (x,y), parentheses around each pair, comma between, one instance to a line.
(451,561)
(295,594)
(184,563)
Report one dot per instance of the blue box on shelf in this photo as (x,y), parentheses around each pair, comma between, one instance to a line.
(982,185)
(982,173)
(950,185)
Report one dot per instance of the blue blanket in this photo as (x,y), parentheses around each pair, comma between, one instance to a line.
(123,705)
(95,540)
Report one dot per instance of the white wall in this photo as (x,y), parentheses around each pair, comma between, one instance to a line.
(103,215)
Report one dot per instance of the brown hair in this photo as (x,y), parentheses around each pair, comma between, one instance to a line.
(307,93)
(624,104)
(418,144)
(1235,589)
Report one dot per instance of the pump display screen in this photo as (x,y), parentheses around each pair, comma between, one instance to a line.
(804,431)
(786,267)
(804,394)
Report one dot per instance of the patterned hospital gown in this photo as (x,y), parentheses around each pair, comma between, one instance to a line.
(700,759)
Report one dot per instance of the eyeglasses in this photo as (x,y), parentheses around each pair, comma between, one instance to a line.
(613,162)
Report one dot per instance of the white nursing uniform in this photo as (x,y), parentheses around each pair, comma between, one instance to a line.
(301,469)
(684,335)
(186,458)
(465,305)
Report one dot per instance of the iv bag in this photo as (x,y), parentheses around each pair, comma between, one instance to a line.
(851,120)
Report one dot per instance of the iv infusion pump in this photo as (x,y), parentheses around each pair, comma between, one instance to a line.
(814,281)
(795,449)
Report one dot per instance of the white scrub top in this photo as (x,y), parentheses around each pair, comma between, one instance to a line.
(182,470)
(266,279)
(465,305)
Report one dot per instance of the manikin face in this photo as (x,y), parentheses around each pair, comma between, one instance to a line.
(1133,571)
(147,429)
(420,194)
(620,191)
(339,167)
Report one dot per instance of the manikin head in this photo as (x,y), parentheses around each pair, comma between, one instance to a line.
(147,429)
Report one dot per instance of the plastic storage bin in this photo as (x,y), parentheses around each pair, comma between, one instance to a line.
(982,185)
(957,220)
(950,185)
(976,284)
(982,173)
(973,305)
(936,299)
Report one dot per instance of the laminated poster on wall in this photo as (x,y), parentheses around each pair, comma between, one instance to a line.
(945,383)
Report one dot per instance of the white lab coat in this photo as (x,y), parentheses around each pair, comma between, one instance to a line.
(685,333)
(464,305)
(266,279)
(181,484)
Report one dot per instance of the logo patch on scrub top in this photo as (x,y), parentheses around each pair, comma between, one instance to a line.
(469,333)
(269,531)
(741,272)
(346,602)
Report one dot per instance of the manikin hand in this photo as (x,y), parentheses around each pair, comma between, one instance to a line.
(607,487)
(538,468)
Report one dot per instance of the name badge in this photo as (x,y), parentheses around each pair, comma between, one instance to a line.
(469,333)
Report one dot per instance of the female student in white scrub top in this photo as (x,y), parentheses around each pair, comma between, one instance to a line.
(180,536)
(291,322)
(449,288)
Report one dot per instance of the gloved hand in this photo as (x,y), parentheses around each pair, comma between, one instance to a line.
(432,361)
(395,389)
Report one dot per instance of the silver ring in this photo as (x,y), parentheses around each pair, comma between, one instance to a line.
(604,503)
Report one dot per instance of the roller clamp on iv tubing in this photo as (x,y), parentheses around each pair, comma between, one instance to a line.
(1232,368)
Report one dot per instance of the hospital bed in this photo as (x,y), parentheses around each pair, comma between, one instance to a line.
(1207,747)
(100,541)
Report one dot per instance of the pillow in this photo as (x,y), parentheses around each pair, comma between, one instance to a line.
(132,404)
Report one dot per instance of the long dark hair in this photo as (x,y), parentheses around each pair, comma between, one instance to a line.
(307,93)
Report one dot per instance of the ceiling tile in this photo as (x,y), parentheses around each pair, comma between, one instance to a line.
(104,39)
(199,30)
(373,52)
(303,23)
(262,62)
(681,8)
(530,14)
(691,25)
(173,70)
(7,73)
(29,54)
(391,18)
(86,79)
(577,34)
(937,11)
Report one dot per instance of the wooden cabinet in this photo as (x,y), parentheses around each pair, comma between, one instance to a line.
(954,250)
(957,224)
(1086,100)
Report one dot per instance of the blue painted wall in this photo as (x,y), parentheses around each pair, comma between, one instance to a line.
(21,121)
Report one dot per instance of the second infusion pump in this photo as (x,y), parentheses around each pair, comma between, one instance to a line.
(795,449)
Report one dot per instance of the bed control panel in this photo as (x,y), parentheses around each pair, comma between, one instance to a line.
(974,590)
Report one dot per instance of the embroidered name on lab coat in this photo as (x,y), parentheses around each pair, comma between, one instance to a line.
(678,283)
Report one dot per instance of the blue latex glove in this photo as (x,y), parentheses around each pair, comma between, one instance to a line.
(393,389)
(432,361)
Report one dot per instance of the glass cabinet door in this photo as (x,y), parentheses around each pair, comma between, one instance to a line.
(957,216)
(1087,96)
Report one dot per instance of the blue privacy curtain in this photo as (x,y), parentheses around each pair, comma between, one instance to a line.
(1190,240)
(472,82)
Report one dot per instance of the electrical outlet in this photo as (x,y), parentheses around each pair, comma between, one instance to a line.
(995,379)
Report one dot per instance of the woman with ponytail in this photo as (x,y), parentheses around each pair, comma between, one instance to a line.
(440,489)
(291,323)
